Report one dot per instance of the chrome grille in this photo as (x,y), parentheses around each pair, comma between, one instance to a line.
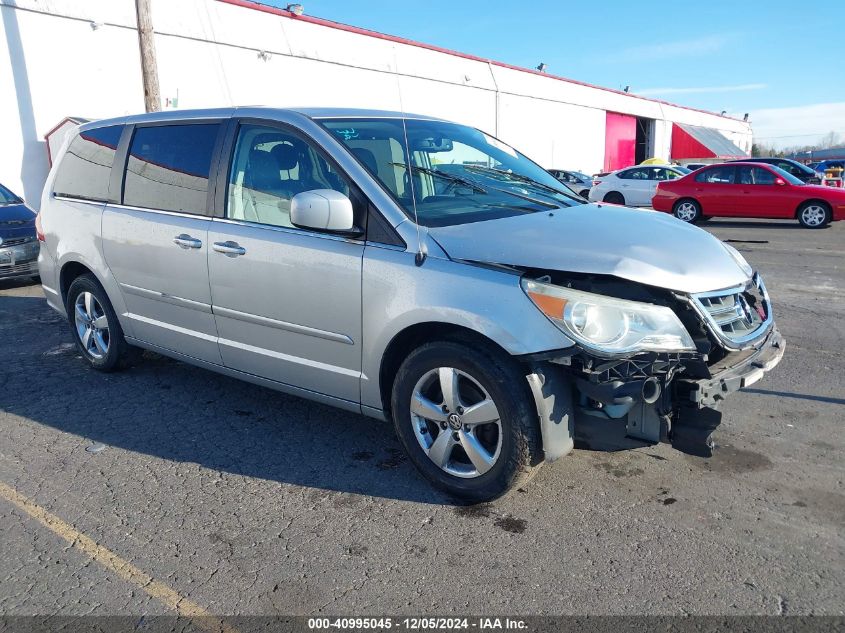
(738,316)
(17,240)
(22,270)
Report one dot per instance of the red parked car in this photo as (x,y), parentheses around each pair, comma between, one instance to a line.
(748,190)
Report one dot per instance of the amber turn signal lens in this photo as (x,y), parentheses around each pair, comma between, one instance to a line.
(550,306)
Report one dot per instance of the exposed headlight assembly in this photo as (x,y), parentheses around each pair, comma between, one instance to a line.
(609,325)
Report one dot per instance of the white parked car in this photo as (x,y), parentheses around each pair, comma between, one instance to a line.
(633,186)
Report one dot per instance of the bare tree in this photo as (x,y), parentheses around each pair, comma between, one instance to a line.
(831,139)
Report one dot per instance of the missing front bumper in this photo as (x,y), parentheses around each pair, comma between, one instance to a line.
(612,411)
(710,392)
(698,413)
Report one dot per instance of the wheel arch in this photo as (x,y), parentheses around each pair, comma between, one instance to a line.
(410,338)
(69,271)
(819,201)
(72,266)
(687,199)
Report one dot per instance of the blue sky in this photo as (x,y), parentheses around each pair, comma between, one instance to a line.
(783,62)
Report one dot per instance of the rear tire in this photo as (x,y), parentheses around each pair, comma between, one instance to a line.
(584,193)
(614,197)
(448,437)
(687,210)
(95,328)
(814,215)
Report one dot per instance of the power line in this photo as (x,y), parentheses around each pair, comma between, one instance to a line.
(796,135)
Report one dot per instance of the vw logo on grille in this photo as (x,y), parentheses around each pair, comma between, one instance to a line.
(454,421)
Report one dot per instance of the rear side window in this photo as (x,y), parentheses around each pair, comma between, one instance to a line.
(636,174)
(721,175)
(168,167)
(86,166)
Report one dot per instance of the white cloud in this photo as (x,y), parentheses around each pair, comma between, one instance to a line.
(681,48)
(801,125)
(700,90)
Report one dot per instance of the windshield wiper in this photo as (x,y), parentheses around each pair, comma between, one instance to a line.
(440,174)
(514,176)
(470,184)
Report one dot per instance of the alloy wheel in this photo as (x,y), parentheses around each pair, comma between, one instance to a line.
(92,325)
(813,215)
(456,422)
(686,211)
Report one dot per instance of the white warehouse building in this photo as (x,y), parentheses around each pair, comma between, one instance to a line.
(80,58)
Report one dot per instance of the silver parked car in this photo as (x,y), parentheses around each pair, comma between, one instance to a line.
(403,267)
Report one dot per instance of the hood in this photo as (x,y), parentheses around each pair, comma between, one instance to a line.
(15,213)
(643,246)
(16,220)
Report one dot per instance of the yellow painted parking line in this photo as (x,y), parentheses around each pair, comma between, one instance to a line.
(123,568)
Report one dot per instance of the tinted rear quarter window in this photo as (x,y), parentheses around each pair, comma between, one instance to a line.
(168,167)
(716,175)
(636,174)
(86,166)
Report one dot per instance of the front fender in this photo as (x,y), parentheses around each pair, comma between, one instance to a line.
(398,294)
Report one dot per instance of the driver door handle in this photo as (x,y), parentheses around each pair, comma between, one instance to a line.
(232,249)
(186,241)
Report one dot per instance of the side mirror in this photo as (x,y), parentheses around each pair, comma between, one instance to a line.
(780,181)
(322,210)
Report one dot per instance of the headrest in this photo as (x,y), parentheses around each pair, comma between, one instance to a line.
(263,172)
(286,155)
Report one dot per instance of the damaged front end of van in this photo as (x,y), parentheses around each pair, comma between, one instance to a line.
(664,325)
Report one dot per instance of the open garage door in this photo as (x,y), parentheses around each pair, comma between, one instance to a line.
(620,141)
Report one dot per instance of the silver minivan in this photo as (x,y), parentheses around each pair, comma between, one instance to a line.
(403,267)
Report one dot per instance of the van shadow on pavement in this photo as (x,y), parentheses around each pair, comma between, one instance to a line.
(177,412)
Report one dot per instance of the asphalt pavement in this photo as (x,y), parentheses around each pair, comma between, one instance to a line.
(167,486)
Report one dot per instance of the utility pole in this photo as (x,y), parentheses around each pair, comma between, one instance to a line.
(149,68)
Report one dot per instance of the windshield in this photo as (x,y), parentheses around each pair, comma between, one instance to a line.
(803,168)
(7,197)
(792,180)
(457,174)
(683,170)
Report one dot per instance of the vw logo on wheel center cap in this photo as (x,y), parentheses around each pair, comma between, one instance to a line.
(454,421)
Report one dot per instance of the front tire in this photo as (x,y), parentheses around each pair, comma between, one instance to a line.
(95,328)
(687,211)
(466,419)
(814,215)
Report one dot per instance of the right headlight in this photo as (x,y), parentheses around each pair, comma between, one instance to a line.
(609,325)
